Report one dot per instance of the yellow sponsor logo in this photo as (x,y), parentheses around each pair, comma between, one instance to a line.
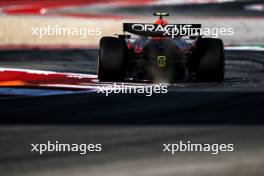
(161,61)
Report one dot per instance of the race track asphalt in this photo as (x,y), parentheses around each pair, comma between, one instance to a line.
(239,100)
(132,128)
(131,150)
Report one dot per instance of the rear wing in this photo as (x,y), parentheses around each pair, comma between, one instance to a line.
(169,30)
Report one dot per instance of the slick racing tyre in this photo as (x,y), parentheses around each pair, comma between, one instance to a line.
(111,60)
(209,54)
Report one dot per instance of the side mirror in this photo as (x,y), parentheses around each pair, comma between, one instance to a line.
(121,36)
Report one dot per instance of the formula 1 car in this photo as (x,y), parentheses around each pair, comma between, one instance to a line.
(160,54)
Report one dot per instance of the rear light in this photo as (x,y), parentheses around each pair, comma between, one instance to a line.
(129,46)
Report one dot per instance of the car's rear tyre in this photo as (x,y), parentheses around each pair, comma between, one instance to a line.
(111,60)
(209,54)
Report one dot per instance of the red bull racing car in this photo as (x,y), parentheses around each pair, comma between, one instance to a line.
(161,52)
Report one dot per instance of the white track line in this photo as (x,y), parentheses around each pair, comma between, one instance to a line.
(42,72)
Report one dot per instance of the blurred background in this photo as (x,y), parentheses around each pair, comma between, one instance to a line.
(18,17)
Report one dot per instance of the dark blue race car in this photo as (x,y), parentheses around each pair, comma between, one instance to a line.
(158,53)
